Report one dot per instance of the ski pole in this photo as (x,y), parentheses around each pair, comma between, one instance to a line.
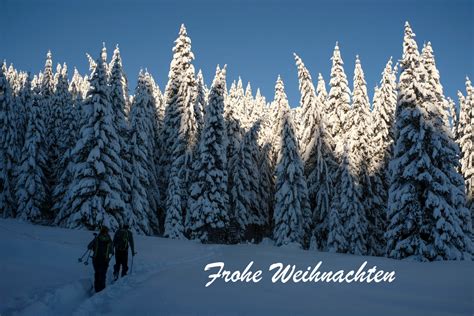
(131,266)
(83,255)
(87,260)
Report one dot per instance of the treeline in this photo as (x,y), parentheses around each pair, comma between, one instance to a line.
(391,177)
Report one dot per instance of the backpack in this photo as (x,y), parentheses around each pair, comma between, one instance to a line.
(102,247)
(121,243)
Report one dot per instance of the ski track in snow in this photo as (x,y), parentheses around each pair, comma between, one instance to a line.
(75,298)
(99,303)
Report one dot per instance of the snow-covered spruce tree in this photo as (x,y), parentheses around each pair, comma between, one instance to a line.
(348,227)
(160,105)
(62,133)
(144,201)
(234,115)
(181,166)
(64,136)
(465,141)
(317,155)
(249,106)
(156,122)
(75,88)
(361,152)
(322,95)
(95,195)
(267,185)
(280,106)
(383,118)
(47,103)
(119,99)
(208,215)
(338,100)
(427,217)
(260,105)
(8,149)
(433,80)
(181,65)
(453,116)
(245,202)
(31,184)
(292,213)
(200,102)
(47,90)
(24,93)
(75,124)
(157,127)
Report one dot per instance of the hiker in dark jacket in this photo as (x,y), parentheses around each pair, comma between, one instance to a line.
(103,250)
(123,239)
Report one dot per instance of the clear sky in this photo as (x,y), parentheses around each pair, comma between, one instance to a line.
(255,39)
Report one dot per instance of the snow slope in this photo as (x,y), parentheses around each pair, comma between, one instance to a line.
(40,275)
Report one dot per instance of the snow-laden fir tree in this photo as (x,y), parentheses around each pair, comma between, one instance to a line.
(260,105)
(75,119)
(234,118)
(292,214)
(95,195)
(8,146)
(200,102)
(180,67)
(264,139)
(160,105)
(348,227)
(234,115)
(383,119)
(453,115)
(157,126)
(249,106)
(62,123)
(208,216)
(427,216)
(47,93)
(322,95)
(64,139)
(317,155)
(119,99)
(47,90)
(75,88)
(338,100)
(31,184)
(181,166)
(21,109)
(433,80)
(361,151)
(245,202)
(465,140)
(143,202)
(280,107)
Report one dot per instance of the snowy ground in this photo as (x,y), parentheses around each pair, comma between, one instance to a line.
(40,275)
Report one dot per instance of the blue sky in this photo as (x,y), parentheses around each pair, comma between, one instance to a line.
(255,39)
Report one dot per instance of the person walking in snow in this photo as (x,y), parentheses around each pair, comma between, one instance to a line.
(103,250)
(123,239)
